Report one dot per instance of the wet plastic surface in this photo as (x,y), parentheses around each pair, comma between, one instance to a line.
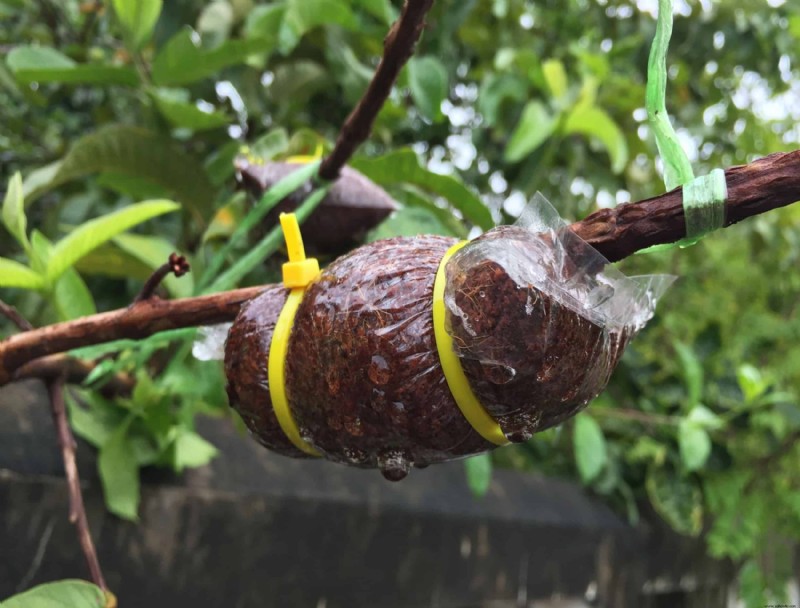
(537,317)
(540,320)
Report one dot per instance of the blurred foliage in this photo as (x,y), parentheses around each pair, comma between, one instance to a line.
(108,104)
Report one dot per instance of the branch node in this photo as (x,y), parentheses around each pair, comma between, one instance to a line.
(175,264)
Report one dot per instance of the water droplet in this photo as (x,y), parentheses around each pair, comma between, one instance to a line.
(519,436)
(394,464)
(353,426)
(378,371)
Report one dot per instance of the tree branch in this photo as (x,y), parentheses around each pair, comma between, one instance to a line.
(763,185)
(140,321)
(397,49)
(77,510)
(12,314)
(766,184)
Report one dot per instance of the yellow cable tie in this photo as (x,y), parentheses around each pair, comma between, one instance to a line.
(307,158)
(298,273)
(457,381)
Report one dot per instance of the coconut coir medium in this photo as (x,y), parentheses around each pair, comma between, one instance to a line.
(536,333)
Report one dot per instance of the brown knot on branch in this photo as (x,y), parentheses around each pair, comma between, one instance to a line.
(175,264)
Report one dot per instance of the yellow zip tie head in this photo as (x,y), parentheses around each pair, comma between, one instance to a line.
(299,271)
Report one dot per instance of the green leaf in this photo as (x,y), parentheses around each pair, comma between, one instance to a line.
(134,186)
(94,233)
(38,180)
(677,499)
(191,450)
(93,424)
(175,106)
(479,473)
(692,372)
(219,166)
(215,22)
(45,64)
(297,81)
(695,445)
(265,21)
(410,221)
(138,17)
(533,129)
(751,381)
(14,211)
(428,80)
(270,145)
(556,77)
(402,167)
(71,296)
(154,251)
(495,90)
(61,594)
(594,122)
(182,60)
(705,418)
(589,444)
(382,9)
(40,251)
(304,15)
(413,197)
(14,274)
(136,152)
(119,473)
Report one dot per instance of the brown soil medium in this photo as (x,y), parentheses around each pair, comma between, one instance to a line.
(531,360)
(363,377)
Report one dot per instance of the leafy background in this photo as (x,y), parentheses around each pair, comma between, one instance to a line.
(124,117)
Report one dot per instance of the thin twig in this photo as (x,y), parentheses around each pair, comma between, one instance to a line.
(91,10)
(74,371)
(635,415)
(12,314)
(176,264)
(77,510)
(397,49)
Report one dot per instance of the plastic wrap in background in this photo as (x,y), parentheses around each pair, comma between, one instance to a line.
(209,344)
(540,319)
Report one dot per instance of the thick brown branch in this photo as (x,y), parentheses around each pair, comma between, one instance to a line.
(77,510)
(768,183)
(763,185)
(397,49)
(140,321)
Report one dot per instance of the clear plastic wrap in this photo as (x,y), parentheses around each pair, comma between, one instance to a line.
(538,320)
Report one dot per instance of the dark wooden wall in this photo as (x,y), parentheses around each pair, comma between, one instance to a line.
(258,530)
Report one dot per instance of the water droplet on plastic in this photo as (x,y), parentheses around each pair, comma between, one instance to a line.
(353,426)
(519,436)
(394,465)
(378,371)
